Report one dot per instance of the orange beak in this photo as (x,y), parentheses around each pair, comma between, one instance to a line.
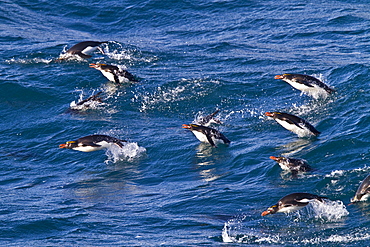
(269,114)
(273,158)
(92,65)
(186,126)
(264,213)
(62,146)
(279,77)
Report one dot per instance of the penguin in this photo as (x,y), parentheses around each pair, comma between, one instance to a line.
(85,104)
(206,134)
(113,73)
(363,191)
(307,84)
(208,120)
(293,165)
(293,123)
(83,49)
(92,143)
(292,202)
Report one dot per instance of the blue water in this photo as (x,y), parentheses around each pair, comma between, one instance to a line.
(191,58)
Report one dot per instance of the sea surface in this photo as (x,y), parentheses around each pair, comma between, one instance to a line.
(166,188)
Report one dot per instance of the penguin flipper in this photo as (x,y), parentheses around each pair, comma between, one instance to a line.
(116,79)
(119,143)
(129,76)
(290,121)
(213,114)
(303,81)
(209,138)
(224,139)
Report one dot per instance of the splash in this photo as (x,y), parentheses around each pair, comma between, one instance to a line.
(226,238)
(129,152)
(116,51)
(88,105)
(330,211)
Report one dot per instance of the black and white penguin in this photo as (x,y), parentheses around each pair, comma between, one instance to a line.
(208,120)
(293,165)
(293,123)
(92,143)
(83,49)
(307,84)
(113,73)
(206,134)
(363,191)
(292,202)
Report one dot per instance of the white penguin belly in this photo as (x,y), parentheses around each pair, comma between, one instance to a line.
(301,132)
(200,136)
(290,209)
(108,75)
(314,91)
(102,145)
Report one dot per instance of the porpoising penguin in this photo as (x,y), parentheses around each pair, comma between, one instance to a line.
(207,134)
(363,191)
(292,202)
(83,49)
(307,84)
(293,165)
(92,143)
(293,123)
(113,73)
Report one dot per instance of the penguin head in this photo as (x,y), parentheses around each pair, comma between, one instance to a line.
(273,114)
(69,145)
(271,210)
(104,67)
(278,159)
(98,66)
(354,199)
(284,77)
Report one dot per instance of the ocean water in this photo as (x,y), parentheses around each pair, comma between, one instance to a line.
(191,57)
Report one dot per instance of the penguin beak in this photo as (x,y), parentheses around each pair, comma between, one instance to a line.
(269,114)
(279,77)
(186,126)
(62,146)
(264,213)
(274,158)
(92,65)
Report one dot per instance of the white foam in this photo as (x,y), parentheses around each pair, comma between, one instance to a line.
(129,152)
(330,211)
(226,238)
